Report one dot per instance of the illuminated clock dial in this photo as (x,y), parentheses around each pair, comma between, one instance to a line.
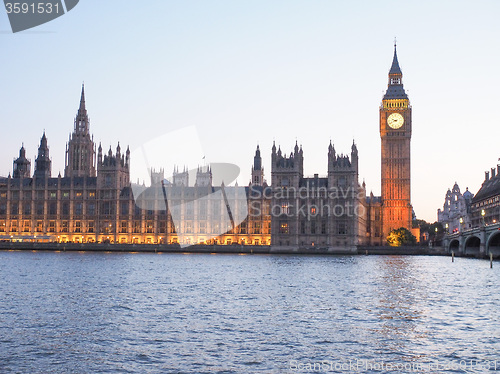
(395,120)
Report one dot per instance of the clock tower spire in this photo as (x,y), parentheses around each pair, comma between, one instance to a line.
(395,134)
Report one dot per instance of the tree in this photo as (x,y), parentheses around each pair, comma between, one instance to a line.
(435,231)
(401,236)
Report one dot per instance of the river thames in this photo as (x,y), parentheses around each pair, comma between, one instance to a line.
(173,313)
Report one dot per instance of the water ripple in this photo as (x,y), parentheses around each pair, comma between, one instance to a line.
(142,313)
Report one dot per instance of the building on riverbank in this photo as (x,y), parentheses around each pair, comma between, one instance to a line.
(95,200)
(317,211)
(456,212)
(485,207)
(467,212)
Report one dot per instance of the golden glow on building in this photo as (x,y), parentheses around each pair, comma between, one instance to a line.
(395,134)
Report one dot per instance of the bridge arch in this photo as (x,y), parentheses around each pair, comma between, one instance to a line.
(472,246)
(493,244)
(454,246)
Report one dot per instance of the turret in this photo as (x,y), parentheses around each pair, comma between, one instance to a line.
(287,170)
(180,179)
(342,170)
(99,154)
(22,166)
(354,156)
(331,150)
(257,160)
(273,153)
(157,177)
(43,164)
(203,178)
(257,169)
(112,170)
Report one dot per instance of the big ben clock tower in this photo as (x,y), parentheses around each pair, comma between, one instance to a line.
(395,134)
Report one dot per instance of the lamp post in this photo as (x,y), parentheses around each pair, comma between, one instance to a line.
(483,213)
(446,226)
(461,223)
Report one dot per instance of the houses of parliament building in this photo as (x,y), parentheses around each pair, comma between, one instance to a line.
(95,201)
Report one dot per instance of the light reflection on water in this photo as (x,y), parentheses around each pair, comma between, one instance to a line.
(140,313)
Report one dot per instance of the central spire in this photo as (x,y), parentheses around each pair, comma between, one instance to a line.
(395,69)
(82,111)
(43,164)
(80,150)
(82,119)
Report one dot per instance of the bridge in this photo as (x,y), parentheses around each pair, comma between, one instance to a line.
(476,242)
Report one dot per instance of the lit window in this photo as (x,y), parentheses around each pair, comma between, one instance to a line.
(284,208)
(284,228)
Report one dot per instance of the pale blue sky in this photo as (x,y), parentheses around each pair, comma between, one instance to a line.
(248,72)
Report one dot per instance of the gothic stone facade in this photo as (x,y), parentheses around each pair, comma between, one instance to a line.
(455,215)
(485,206)
(319,211)
(96,202)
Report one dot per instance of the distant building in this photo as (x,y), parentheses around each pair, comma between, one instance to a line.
(22,166)
(456,213)
(485,208)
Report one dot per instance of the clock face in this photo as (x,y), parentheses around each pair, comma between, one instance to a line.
(395,120)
